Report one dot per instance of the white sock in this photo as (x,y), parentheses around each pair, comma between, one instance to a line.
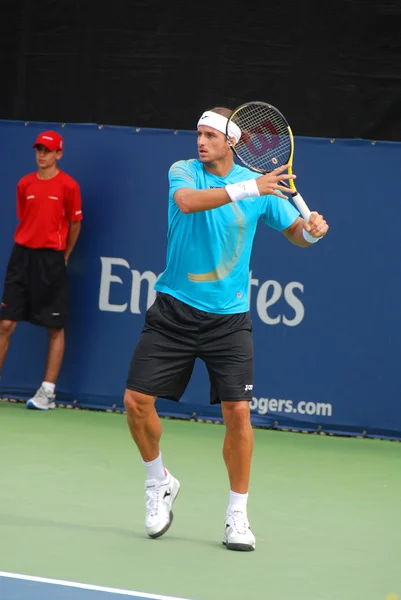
(155,469)
(49,387)
(237,502)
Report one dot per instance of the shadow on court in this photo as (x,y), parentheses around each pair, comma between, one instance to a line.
(170,538)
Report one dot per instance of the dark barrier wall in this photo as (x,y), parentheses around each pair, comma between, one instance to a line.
(326,320)
(332,67)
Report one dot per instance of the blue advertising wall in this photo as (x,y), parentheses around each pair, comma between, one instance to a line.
(326,319)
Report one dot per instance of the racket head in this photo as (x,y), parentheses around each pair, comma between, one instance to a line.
(266,141)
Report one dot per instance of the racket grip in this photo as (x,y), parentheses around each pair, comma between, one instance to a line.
(301,205)
(299,202)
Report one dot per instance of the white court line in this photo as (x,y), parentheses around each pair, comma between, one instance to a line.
(86,586)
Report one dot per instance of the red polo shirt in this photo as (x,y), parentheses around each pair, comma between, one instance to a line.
(45,207)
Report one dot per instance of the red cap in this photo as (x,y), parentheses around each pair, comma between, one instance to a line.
(50,140)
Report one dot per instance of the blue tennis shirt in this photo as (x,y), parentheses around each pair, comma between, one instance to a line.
(208,252)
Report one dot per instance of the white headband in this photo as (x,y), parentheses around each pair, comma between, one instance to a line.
(212,119)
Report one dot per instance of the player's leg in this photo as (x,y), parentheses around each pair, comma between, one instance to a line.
(6,330)
(15,299)
(228,353)
(238,444)
(161,487)
(237,453)
(55,354)
(48,308)
(144,425)
(161,366)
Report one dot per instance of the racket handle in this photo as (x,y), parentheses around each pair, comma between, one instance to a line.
(299,202)
(301,205)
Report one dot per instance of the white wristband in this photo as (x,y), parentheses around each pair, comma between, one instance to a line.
(309,238)
(243,189)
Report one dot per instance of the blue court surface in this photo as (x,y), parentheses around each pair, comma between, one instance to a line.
(23,587)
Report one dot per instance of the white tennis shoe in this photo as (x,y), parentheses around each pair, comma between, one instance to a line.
(237,532)
(159,498)
(42,400)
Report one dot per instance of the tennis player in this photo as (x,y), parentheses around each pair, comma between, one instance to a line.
(202,311)
(49,209)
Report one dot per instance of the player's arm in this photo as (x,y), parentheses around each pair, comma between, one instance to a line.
(300,231)
(20,200)
(73,234)
(74,212)
(190,199)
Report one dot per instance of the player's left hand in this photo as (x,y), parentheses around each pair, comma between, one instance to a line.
(316,226)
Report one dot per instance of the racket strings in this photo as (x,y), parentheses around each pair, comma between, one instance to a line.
(265,142)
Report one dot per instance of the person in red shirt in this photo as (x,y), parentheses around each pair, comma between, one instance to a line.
(49,209)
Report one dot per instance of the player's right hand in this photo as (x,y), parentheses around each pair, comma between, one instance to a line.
(270,183)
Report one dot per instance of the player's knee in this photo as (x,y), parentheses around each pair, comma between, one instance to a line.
(7,327)
(236,414)
(137,405)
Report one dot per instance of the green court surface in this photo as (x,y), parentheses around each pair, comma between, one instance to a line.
(326,511)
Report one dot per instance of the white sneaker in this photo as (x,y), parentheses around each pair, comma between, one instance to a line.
(159,498)
(42,400)
(237,532)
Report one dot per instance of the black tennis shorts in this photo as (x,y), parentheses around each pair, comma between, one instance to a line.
(175,335)
(35,287)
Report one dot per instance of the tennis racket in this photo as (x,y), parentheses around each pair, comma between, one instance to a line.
(266,143)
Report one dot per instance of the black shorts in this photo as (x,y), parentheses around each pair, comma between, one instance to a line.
(175,334)
(35,287)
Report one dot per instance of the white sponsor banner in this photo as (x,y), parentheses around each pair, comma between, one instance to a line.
(264,295)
